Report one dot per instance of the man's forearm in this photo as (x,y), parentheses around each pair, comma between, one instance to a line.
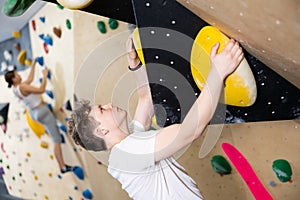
(143,88)
(204,108)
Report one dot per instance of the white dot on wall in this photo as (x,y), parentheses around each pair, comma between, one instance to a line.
(172,62)
(196,94)
(269,39)
(273,112)
(178,109)
(147,4)
(211,7)
(175,87)
(282,97)
(246,114)
(160,79)
(239,30)
(173,22)
(296,126)
(168,119)
(168,34)
(262,84)
(263,51)
(152,32)
(241,14)
(285,69)
(269,103)
(164,100)
(156,57)
(277,22)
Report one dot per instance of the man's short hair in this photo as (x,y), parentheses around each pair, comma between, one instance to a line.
(82,126)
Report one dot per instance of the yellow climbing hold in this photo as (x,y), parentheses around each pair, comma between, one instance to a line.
(16,34)
(240,87)
(44,144)
(138,45)
(28,154)
(50,174)
(22,57)
(37,128)
(36,177)
(51,156)
(28,62)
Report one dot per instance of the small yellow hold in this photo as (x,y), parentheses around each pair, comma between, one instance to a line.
(138,46)
(36,177)
(51,156)
(16,34)
(28,62)
(50,174)
(44,144)
(28,154)
(22,57)
(46,197)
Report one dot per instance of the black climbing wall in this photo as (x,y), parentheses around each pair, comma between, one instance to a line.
(167,31)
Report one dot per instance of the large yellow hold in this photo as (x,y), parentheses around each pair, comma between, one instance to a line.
(240,86)
(35,126)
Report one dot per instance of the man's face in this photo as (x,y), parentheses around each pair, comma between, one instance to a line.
(109,116)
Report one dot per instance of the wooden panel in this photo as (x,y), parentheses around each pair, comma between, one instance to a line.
(261,143)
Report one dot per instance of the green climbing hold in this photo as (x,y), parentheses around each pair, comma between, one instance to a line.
(68,24)
(60,6)
(14,8)
(113,24)
(20,174)
(13,178)
(101,27)
(282,169)
(220,165)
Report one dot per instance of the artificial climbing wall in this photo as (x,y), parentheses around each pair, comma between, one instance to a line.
(267,29)
(30,171)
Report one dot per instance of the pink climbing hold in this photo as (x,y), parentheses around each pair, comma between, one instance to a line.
(2,147)
(247,173)
(3,127)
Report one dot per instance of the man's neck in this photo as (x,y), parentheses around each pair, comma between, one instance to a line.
(119,135)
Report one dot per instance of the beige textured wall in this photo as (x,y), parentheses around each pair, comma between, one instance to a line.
(267,29)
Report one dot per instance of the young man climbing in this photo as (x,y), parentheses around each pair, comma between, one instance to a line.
(141,159)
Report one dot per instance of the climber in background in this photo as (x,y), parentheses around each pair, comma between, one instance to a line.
(39,110)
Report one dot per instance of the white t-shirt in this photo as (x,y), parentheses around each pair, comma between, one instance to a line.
(133,164)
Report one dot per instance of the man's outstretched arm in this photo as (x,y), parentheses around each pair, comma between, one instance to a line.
(171,139)
(144,110)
